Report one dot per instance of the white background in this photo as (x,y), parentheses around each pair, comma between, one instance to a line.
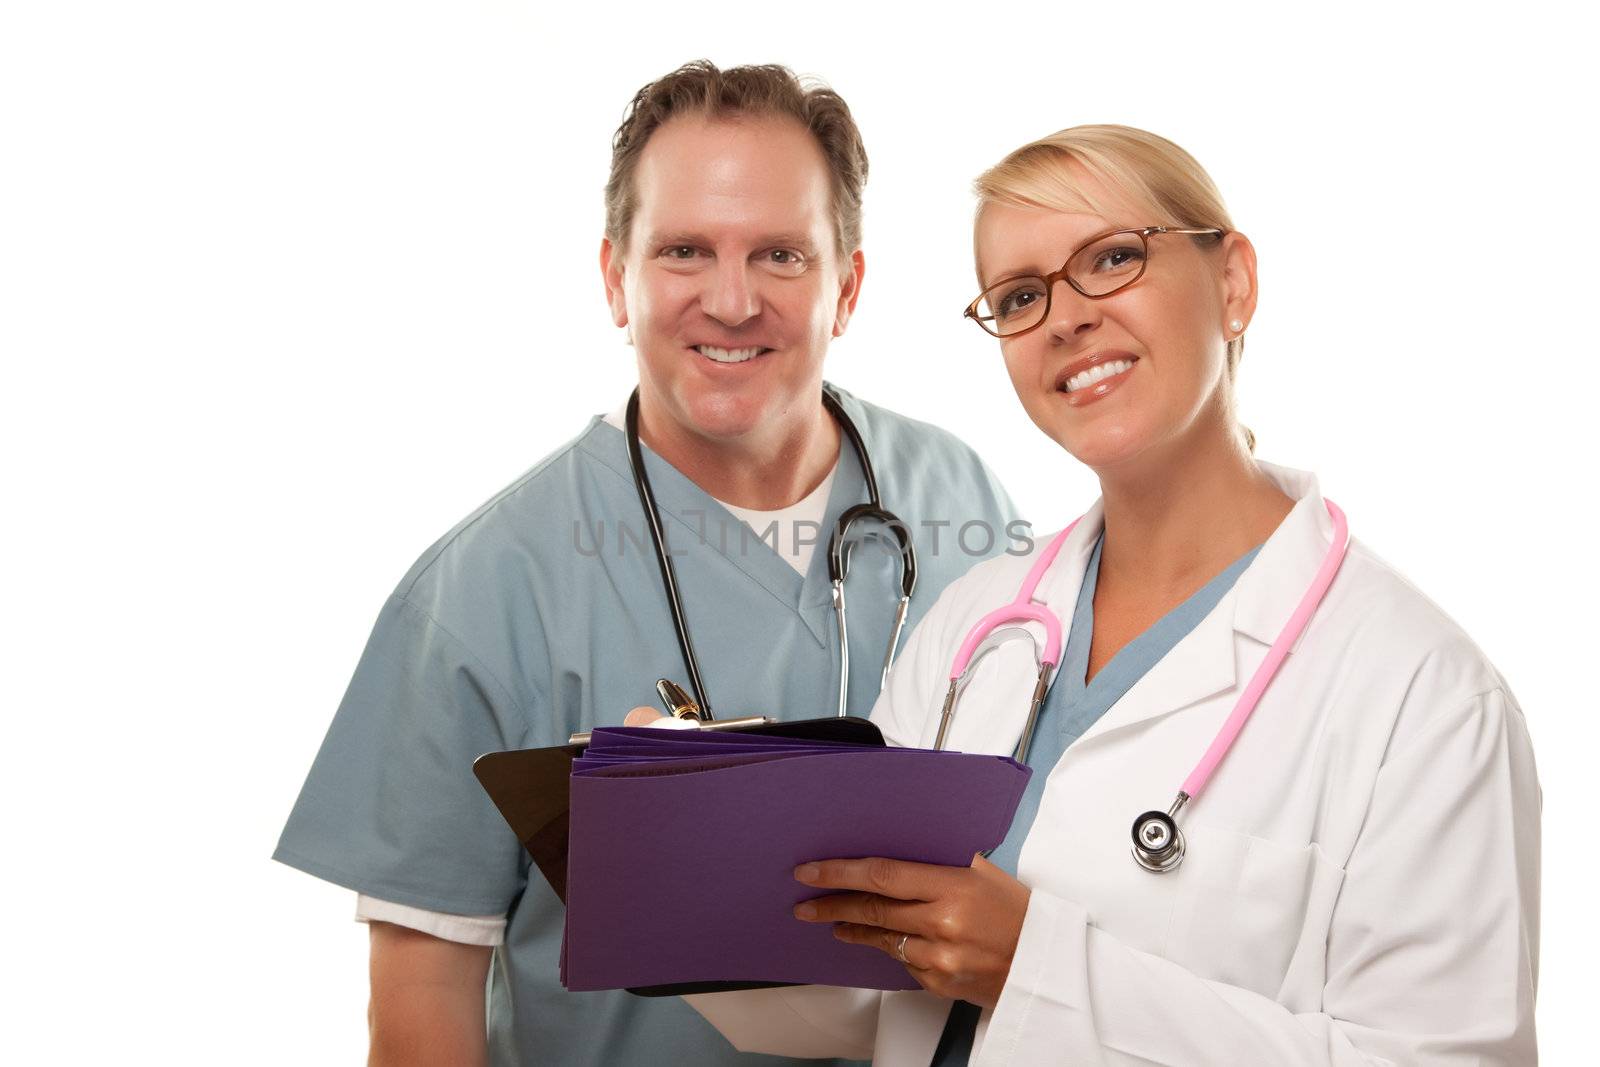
(288,288)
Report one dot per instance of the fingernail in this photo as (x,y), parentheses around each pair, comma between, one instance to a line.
(807,872)
(805,910)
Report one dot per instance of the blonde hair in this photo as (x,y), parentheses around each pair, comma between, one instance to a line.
(1148,170)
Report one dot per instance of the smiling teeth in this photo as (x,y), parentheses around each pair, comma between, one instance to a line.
(1096,373)
(728,355)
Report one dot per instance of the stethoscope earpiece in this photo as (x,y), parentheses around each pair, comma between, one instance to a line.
(1157,842)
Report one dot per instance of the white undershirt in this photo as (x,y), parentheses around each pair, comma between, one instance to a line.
(797,529)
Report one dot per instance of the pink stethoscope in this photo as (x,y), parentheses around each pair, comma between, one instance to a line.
(1158,844)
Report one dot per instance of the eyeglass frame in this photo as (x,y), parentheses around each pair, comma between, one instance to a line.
(1144,234)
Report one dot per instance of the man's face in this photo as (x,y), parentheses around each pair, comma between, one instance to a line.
(731,284)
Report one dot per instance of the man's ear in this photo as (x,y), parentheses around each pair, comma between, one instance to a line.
(611,273)
(849,292)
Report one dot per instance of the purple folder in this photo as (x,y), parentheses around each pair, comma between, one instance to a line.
(683,847)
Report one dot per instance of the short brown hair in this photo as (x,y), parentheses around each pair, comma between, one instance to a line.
(700,88)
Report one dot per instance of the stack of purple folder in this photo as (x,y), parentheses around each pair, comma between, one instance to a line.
(683,846)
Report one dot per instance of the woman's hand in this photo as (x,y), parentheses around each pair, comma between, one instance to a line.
(963,922)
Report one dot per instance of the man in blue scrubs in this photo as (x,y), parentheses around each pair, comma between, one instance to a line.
(731,258)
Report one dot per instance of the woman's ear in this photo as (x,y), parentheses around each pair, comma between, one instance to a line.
(1238,284)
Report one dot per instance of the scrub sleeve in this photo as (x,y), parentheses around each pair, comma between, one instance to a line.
(390,807)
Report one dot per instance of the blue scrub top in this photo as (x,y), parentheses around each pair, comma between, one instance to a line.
(1070,709)
(541,615)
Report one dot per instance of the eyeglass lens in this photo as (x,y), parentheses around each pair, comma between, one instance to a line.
(1099,268)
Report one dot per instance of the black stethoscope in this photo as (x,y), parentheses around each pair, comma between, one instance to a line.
(839,546)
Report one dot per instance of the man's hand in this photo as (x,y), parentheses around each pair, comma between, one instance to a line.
(642,716)
(427,1002)
(963,922)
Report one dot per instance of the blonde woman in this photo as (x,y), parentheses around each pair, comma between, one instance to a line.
(1358,881)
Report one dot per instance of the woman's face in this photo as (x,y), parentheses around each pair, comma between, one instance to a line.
(1170,328)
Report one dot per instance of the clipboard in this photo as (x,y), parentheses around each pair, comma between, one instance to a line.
(919,805)
(532,790)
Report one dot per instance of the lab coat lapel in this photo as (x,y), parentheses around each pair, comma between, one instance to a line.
(1272,587)
(1206,661)
(1001,685)
(1200,665)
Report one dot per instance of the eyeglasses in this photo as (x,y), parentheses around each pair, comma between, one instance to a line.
(1097,268)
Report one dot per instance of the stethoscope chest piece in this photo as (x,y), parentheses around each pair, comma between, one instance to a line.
(1157,842)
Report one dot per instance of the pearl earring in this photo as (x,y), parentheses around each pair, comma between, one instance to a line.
(1236,326)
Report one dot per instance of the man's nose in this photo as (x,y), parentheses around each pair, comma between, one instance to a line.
(731,296)
(1071,313)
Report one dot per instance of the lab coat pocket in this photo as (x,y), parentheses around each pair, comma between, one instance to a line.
(1253,913)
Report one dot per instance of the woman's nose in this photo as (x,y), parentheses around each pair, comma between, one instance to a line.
(1071,314)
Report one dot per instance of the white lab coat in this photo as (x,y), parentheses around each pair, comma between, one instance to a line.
(1362,877)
